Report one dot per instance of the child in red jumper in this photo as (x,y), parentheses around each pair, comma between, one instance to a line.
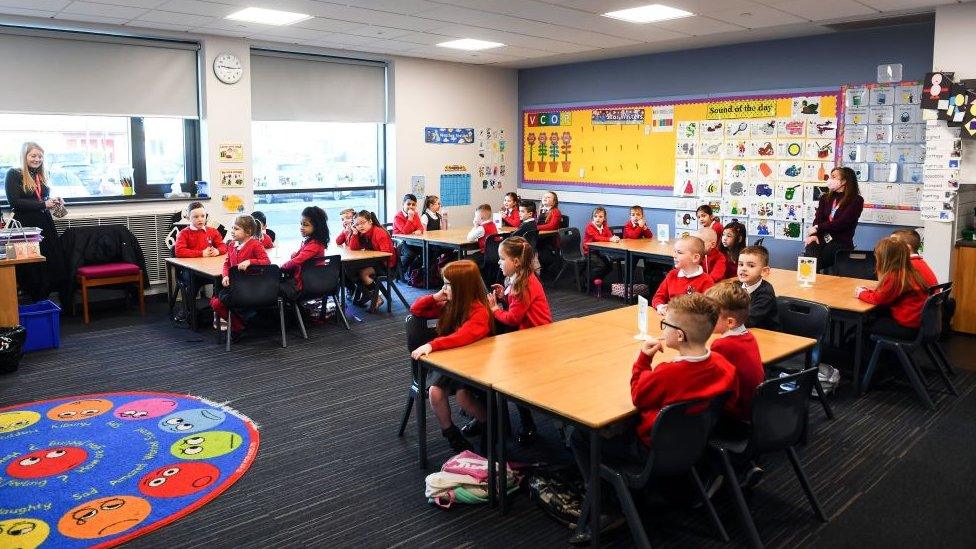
(687,277)
(510,210)
(547,247)
(407,221)
(737,345)
(314,228)
(244,252)
(197,239)
(370,235)
(598,231)
(636,227)
(731,244)
(482,230)
(913,240)
(707,218)
(900,288)
(347,217)
(519,305)
(264,234)
(461,310)
(714,261)
(696,373)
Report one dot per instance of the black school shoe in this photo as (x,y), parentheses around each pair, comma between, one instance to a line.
(456,439)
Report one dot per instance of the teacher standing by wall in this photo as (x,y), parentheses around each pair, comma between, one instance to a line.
(28,194)
(836,219)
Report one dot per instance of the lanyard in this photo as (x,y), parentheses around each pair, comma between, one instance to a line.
(833,210)
(37,186)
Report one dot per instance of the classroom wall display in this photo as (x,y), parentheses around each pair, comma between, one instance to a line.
(449,136)
(231,178)
(455,189)
(230,152)
(492,147)
(941,172)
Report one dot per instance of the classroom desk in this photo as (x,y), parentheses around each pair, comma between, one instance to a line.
(9,311)
(836,292)
(212,268)
(650,249)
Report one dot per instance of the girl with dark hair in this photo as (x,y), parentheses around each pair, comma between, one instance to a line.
(731,243)
(706,218)
(314,228)
(836,219)
(510,210)
(370,235)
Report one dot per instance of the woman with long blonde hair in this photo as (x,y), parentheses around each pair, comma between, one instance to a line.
(28,194)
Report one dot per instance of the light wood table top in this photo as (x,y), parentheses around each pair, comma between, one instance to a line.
(213,266)
(643,246)
(454,237)
(22,261)
(836,292)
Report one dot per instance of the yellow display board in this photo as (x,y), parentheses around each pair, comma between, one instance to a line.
(638,146)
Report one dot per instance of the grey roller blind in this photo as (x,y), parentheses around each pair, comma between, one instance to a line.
(309,89)
(45,74)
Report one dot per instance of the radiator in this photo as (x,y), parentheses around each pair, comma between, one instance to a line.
(150,229)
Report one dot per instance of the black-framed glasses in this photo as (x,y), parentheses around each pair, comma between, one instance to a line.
(665,323)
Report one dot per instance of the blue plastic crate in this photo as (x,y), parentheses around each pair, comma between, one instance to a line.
(43,323)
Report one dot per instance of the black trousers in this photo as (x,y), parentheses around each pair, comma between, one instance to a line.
(600,265)
(409,256)
(885,325)
(825,253)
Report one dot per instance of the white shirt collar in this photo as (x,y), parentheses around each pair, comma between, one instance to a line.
(598,227)
(510,283)
(916,256)
(737,331)
(192,228)
(702,358)
(700,271)
(431,214)
(239,245)
(753,287)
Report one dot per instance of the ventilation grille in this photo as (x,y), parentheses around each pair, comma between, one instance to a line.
(881,21)
(149,229)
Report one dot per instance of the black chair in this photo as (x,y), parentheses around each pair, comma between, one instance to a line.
(271,234)
(571,252)
(779,423)
(759,241)
(808,319)
(928,334)
(256,288)
(855,264)
(563,221)
(490,272)
(680,435)
(944,291)
(388,227)
(417,334)
(322,279)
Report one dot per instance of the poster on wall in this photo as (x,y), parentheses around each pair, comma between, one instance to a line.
(449,136)
(231,178)
(232,203)
(418,185)
(230,152)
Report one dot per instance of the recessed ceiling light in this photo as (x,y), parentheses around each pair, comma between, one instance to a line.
(648,13)
(470,44)
(268,17)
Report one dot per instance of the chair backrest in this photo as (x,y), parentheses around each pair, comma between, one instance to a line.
(256,287)
(779,411)
(759,241)
(855,264)
(617,230)
(679,435)
(802,317)
(563,221)
(941,289)
(570,244)
(931,328)
(388,227)
(417,332)
(533,238)
(321,276)
(491,249)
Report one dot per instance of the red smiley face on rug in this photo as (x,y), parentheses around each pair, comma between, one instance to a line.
(178,479)
(47,462)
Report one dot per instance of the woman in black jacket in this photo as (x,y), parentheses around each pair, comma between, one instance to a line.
(28,194)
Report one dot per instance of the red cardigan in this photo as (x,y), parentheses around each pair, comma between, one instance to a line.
(718,228)
(404,225)
(251,250)
(714,264)
(551,222)
(267,242)
(671,382)
(674,285)
(906,308)
(309,249)
(476,327)
(923,269)
(592,234)
(527,310)
(344,237)
(635,231)
(376,239)
(192,242)
(511,218)
(742,352)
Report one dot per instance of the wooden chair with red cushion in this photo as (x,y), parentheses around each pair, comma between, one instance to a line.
(109,274)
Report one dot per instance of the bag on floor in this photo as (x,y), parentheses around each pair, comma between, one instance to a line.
(463,479)
(560,493)
(617,289)
(11,348)
(829,378)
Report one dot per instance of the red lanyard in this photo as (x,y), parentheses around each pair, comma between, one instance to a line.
(37,186)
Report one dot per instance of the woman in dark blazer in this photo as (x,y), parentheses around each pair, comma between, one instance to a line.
(836,219)
(28,194)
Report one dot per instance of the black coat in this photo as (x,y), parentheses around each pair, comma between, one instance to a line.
(763,310)
(97,245)
(38,279)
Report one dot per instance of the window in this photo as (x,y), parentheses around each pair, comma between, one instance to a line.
(87,157)
(333,165)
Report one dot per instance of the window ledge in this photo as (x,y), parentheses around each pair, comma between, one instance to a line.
(131,200)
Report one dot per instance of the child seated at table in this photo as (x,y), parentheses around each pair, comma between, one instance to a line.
(731,245)
(687,277)
(264,234)
(461,310)
(707,218)
(913,240)
(528,228)
(753,268)
(598,231)
(636,227)
(314,229)
(483,228)
(244,251)
(901,290)
(346,217)
(510,210)
(407,221)
(714,261)
(197,239)
(697,373)
(737,345)
(370,235)
(547,247)
(431,217)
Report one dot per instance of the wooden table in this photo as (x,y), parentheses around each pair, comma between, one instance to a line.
(650,249)
(212,268)
(9,311)
(837,293)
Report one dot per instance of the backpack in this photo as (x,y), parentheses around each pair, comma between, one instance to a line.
(560,493)
(463,479)
(415,277)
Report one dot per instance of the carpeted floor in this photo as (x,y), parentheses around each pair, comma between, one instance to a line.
(331,471)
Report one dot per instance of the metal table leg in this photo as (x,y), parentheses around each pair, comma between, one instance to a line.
(422,414)
(501,430)
(593,488)
(858,335)
(490,425)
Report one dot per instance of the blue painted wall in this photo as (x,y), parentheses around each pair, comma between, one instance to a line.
(808,62)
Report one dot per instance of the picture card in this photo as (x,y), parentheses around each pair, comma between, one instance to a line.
(817,171)
(856,115)
(735,206)
(790,128)
(878,152)
(907,153)
(711,149)
(790,170)
(786,211)
(853,152)
(879,133)
(789,230)
(820,149)
(764,128)
(761,148)
(907,133)
(908,94)
(760,227)
(687,131)
(882,95)
(856,96)
(684,222)
(763,208)
(911,173)
(822,128)
(789,192)
(712,130)
(855,134)
(790,148)
(885,173)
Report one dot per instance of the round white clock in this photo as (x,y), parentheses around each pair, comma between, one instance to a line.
(227,68)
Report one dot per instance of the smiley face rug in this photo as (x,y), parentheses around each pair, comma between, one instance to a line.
(101,469)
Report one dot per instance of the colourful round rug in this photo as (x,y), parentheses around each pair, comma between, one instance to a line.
(101,469)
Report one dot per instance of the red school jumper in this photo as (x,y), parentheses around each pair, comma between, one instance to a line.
(404,225)
(251,250)
(715,263)
(740,348)
(310,248)
(191,242)
(376,239)
(594,234)
(923,269)
(267,242)
(671,382)
(551,223)
(635,231)
(510,218)
(475,327)
(718,228)
(679,285)
(527,310)
(906,308)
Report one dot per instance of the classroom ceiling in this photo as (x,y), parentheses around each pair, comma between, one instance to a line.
(535,32)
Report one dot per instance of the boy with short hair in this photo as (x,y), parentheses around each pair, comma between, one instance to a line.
(527,211)
(913,240)
(714,260)
(407,222)
(346,217)
(687,277)
(753,268)
(736,344)
(483,228)
(696,373)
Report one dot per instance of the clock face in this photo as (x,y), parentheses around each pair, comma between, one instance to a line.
(227,68)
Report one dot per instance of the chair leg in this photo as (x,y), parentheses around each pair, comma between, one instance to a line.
(142,296)
(559,275)
(340,310)
(869,373)
(909,368)
(823,400)
(740,502)
(630,510)
(301,323)
(945,360)
(411,398)
(805,484)
(712,515)
(281,320)
(940,370)
(84,300)
(229,330)
(576,271)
